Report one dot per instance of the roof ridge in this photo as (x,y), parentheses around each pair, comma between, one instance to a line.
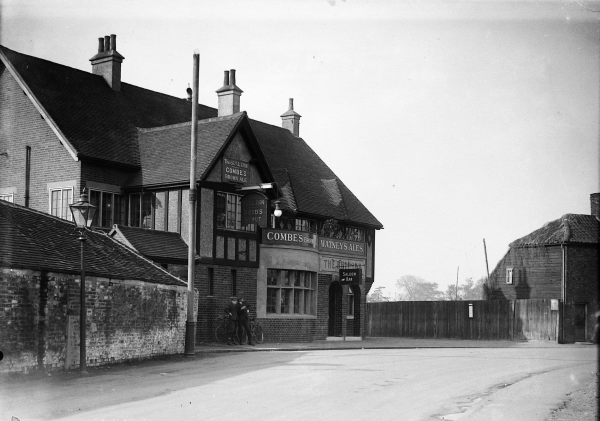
(189,123)
(25,208)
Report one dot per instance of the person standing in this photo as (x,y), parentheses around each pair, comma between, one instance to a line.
(232,319)
(243,321)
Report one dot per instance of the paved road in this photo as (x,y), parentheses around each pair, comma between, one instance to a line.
(351,384)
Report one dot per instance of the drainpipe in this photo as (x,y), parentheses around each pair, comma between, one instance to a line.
(27,174)
(563,276)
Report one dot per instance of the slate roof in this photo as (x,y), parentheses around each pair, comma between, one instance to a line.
(306,181)
(100,123)
(569,229)
(154,244)
(165,151)
(151,131)
(34,240)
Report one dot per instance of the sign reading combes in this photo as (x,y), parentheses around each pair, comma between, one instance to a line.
(289,238)
(235,171)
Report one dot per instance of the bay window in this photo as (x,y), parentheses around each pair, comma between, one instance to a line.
(291,292)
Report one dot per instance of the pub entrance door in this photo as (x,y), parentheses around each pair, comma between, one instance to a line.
(334,327)
(580,313)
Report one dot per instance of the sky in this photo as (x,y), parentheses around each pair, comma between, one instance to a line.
(452,121)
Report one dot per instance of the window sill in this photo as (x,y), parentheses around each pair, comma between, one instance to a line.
(350,317)
(289,316)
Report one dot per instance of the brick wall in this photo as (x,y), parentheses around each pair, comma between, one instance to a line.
(22,125)
(210,307)
(126,320)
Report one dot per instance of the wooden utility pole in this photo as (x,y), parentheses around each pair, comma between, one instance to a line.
(190,325)
(456,293)
(486,261)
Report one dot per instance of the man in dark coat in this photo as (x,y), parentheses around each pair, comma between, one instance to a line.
(243,320)
(232,313)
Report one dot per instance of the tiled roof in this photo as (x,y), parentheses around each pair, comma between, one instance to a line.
(154,244)
(165,151)
(38,241)
(99,122)
(570,229)
(306,180)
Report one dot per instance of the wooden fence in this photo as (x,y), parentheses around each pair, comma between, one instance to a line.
(494,319)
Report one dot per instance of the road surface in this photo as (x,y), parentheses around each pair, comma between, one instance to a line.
(380,384)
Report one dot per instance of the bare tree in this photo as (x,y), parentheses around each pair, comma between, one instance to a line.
(413,288)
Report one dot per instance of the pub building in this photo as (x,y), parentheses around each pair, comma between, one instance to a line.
(274,224)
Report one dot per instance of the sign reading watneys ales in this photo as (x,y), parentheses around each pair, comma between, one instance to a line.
(235,171)
(341,246)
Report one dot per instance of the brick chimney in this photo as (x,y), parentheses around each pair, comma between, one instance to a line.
(229,95)
(595,202)
(291,120)
(107,63)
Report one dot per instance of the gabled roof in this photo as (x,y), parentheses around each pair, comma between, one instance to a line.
(165,151)
(157,245)
(307,183)
(100,123)
(38,241)
(570,229)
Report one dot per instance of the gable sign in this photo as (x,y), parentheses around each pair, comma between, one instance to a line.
(254,209)
(350,276)
(235,171)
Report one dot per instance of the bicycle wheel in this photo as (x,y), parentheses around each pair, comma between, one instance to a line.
(257,334)
(221,334)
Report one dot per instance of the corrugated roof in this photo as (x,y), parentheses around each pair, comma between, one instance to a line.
(310,183)
(570,228)
(38,241)
(154,244)
(99,122)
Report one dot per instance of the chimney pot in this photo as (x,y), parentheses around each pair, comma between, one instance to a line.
(226,78)
(290,120)
(107,63)
(595,202)
(229,95)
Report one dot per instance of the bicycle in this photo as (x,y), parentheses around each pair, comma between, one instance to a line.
(256,331)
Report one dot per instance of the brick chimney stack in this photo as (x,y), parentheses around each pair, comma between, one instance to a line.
(229,95)
(595,202)
(291,120)
(107,63)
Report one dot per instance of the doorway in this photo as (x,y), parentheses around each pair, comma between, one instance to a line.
(334,327)
(580,316)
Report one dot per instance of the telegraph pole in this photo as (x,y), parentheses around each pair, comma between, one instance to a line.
(190,324)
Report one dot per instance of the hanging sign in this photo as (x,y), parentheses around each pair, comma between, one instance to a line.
(235,171)
(350,276)
(254,209)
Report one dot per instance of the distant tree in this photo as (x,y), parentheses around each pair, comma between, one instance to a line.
(377,296)
(468,290)
(413,288)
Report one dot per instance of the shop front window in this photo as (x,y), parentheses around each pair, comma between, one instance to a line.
(290,292)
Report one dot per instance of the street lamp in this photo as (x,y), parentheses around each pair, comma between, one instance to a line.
(83,215)
(277,212)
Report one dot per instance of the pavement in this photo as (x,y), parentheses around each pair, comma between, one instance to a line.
(380,343)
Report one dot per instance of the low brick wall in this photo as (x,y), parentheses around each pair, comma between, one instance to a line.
(126,320)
